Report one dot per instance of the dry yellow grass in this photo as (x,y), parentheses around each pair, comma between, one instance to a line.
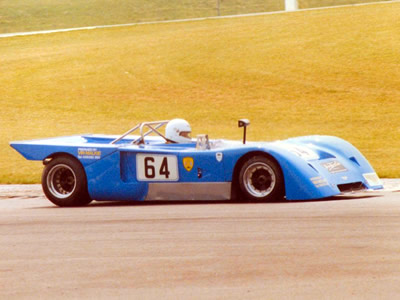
(330,72)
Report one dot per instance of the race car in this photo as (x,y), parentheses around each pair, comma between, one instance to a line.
(149,166)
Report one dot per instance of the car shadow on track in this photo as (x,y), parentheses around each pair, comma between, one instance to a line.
(346,197)
(216,202)
(340,198)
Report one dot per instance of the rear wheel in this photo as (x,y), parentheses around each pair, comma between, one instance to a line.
(261,179)
(64,182)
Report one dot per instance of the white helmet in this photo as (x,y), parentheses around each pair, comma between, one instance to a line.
(178,131)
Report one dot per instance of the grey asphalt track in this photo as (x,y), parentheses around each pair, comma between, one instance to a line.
(339,248)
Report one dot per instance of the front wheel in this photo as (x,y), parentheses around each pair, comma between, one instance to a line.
(261,179)
(64,182)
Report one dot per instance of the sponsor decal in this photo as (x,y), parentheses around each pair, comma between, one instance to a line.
(219,156)
(89,153)
(334,167)
(319,181)
(188,163)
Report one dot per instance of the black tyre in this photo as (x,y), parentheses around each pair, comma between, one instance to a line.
(261,179)
(64,182)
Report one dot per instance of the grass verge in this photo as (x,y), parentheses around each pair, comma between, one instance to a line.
(33,15)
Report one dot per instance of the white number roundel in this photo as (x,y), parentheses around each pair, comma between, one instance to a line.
(156,167)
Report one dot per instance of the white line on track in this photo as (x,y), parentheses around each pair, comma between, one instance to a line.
(14,34)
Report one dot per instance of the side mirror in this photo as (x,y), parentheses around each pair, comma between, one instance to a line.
(244,123)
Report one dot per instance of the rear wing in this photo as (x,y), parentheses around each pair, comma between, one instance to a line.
(77,146)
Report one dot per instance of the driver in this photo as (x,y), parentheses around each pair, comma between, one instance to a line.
(178,131)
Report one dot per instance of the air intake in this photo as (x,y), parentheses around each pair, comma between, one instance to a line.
(351,187)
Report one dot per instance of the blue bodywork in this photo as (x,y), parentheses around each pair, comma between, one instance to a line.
(313,167)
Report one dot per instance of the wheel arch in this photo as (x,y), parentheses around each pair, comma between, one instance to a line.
(60,154)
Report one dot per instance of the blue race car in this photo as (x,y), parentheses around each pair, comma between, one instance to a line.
(151,166)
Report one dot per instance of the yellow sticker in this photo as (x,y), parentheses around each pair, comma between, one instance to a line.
(188,163)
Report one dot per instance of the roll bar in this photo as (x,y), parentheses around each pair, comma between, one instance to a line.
(152,127)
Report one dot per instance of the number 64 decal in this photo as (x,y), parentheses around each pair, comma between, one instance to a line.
(156,167)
